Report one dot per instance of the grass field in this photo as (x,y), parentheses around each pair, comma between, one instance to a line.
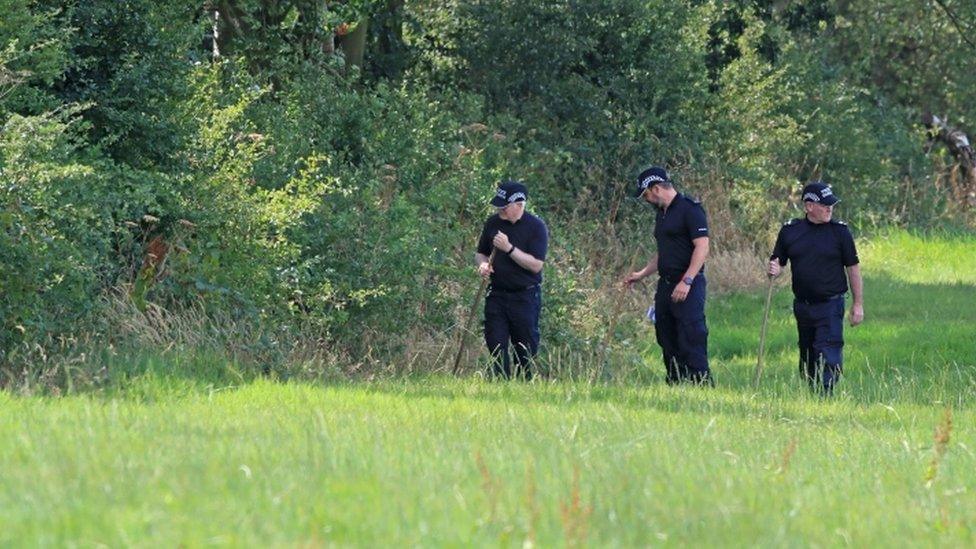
(176,456)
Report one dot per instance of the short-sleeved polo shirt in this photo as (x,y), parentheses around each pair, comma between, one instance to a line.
(819,253)
(675,230)
(528,234)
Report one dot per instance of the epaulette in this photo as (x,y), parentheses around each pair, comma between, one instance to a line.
(837,222)
(790,222)
(692,199)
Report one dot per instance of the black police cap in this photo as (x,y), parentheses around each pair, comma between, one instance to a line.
(820,193)
(650,177)
(509,192)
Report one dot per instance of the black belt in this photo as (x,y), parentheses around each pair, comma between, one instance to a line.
(819,301)
(511,291)
(674,279)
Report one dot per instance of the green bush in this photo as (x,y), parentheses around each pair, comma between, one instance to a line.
(286,188)
(51,255)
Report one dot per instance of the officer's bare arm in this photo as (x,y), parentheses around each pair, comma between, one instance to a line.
(857,292)
(526,260)
(648,270)
(698,256)
(857,284)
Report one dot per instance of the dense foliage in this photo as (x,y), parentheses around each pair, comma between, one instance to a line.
(321,168)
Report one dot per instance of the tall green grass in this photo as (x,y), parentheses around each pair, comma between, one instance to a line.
(449,462)
(189,450)
(916,343)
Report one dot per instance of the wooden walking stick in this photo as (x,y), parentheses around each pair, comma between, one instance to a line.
(762,336)
(600,370)
(462,337)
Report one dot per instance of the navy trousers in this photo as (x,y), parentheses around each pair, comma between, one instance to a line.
(512,316)
(820,327)
(682,333)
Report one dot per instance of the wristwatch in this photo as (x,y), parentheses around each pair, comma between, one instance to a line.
(688,280)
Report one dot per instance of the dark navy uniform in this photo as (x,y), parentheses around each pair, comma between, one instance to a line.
(819,253)
(680,327)
(514,298)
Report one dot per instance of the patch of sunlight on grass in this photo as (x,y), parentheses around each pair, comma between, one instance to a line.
(921,259)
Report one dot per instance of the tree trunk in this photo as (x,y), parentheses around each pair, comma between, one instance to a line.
(388,53)
(227,25)
(959,146)
(354,44)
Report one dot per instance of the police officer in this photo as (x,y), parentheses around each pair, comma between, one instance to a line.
(514,298)
(820,249)
(681,233)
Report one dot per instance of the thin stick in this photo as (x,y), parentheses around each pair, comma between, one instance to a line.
(462,337)
(955,22)
(601,367)
(762,336)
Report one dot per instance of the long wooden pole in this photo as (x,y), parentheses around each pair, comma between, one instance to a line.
(600,369)
(463,336)
(762,336)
